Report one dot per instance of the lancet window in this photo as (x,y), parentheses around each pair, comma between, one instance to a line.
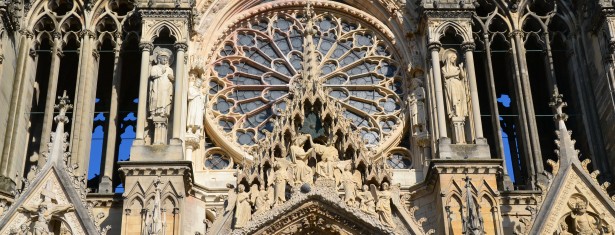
(516,104)
(85,60)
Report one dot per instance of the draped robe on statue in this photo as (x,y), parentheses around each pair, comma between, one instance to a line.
(161,90)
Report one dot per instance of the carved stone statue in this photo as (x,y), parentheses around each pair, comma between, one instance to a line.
(155,224)
(329,157)
(243,211)
(43,213)
(196,107)
(383,205)
(258,197)
(582,222)
(456,93)
(368,204)
(280,178)
(563,228)
(161,84)
(302,172)
(350,182)
(417,107)
(22,230)
(161,93)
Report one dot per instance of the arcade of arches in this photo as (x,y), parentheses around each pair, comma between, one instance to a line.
(164,117)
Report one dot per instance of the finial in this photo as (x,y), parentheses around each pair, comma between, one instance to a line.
(557,103)
(63,106)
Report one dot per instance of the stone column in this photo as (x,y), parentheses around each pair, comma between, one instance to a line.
(146,48)
(434,48)
(85,99)
(24,67)
(192,143)
(106,182)
(468,48)
(178,104)
(56,55)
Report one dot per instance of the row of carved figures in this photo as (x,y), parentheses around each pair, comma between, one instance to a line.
(258,200)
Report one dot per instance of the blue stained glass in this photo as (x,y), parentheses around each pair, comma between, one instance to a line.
(326,24)
(368,95)
(296,61)
(364,40)
(328,68)
(258,58)
(257,119)
(228,50)
(216,162)
(357,120)
(274,81)
(275,94)
(387,69)
(249,69)
(338,94)
(390,105)
(260,26)
(214,87)
(337,80)
(365,80)
(399,161)
(297,43)
(243,94)
(283,45)
(223,69)
(365,107)
(387,125)
(381,50)
(227,126)
(266,48)
(347,27)
(247,107)
(281,68)
(245,138)
(243,80)
(283,24)
(245,40)
(223,106)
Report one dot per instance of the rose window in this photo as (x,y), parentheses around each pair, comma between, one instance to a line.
(258,62)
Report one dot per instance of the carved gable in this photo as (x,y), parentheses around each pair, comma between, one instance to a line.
(53,200)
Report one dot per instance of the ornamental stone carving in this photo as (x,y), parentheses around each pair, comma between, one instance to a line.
(161,93)
(456,92)
(196,108)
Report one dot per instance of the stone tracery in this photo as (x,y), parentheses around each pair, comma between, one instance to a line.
(260,62)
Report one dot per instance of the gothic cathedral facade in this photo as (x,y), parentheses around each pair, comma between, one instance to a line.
(169,117)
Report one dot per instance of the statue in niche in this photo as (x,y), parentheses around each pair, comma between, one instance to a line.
(582,222)
(154,223)
(326,167)
(259,198)
(417,107)
(302,172)
(383,205)
(231,199)
(367,201)
(161,84)
(196,107)
(350,182)
(280,177)
(243,211)
(456,93)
